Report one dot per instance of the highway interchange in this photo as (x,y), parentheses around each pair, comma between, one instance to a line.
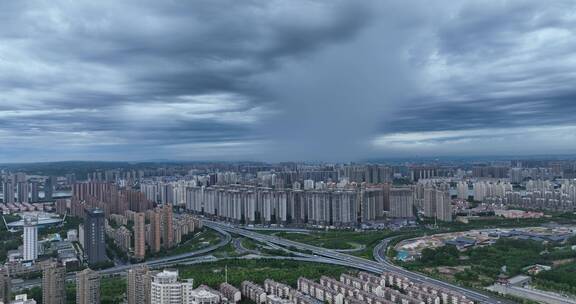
(353,261)
(301,252)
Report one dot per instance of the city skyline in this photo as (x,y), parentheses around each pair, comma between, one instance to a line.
(278,80)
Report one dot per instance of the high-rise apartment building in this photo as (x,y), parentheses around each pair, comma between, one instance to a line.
(443,206)
(94,242)
(139,284)
(429,202)
(462,190)
(54,284)
(49,185)
(87,287)
(30,235)
(8,191)
(22,192)
(401,203)
(139,235)
(34,192)
(167,226)
(155,231)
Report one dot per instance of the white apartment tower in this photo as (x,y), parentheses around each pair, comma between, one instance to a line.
(30,246)
(165,288)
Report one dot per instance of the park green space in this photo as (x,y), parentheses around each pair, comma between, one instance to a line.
(344,240)
(479,267)
(199,240)
(257,270)
(113,289)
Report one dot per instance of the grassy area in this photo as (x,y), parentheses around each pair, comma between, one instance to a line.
(338,239)
(264,249)
(562,278)
(8,241)
(480,266)
(250,244)
(257,270)
(202,239)
(227,251)
(9,218)
(112,290)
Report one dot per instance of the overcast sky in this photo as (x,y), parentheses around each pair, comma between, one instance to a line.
(285,79)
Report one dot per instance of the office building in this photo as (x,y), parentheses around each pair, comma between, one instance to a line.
(94,242)
(87,287)
(30,235)
(54,284)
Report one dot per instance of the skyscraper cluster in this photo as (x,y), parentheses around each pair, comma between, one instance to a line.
(54,285)
(17,188)
(401,203)
(434,199)
(108,197)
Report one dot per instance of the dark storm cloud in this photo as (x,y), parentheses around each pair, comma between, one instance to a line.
(495,77)
(306,79)
(151,74)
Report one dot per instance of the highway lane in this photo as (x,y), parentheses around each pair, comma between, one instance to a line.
(381,249)
(358,262)
(164,260)
(159,262)
(70,277)
(380,255)
(320,255)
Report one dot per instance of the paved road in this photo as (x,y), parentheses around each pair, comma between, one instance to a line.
(226,238)
(320,255)
(356,262)
(164,261)
(381,249)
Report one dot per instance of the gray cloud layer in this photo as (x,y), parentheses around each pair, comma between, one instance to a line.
(278,80)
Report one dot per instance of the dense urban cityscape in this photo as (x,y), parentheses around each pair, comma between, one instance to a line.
(139,228)
(287,152)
